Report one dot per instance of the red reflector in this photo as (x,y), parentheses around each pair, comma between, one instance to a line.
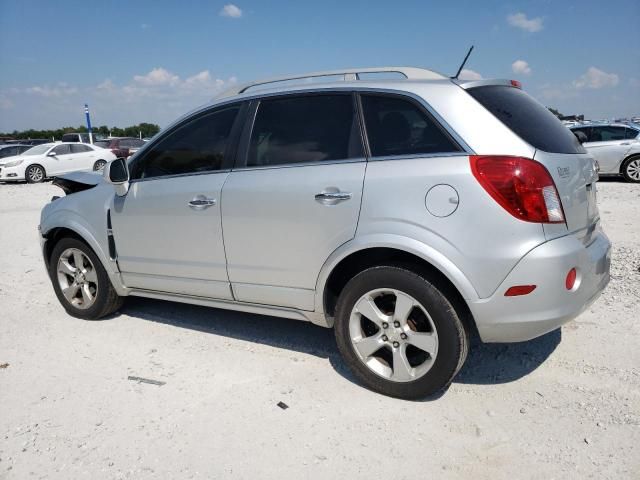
(571,279)
(516,83)
(519,290)
(523,187)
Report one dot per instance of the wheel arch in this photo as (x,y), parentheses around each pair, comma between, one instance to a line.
(626,159)
(356,256)
(26,169)
(66,223)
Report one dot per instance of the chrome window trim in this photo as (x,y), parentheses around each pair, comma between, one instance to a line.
(302,164)
(419,155)
(179,175)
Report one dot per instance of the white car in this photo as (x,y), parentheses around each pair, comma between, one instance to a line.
(616,148)
(51,159)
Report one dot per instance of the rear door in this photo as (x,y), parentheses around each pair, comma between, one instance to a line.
(608,145)
(557,148)
(167,228)
(294,198)
(84,156)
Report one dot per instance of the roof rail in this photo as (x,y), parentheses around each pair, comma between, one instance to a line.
(410,73)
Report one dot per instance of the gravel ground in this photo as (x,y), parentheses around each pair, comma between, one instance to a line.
(566,405)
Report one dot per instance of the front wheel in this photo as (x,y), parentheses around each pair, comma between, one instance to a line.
(631,170)
(35,174)
(398,333)
(80,281)
(99,165)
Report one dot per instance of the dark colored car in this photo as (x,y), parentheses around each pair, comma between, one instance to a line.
(31,141)
(11,150)
(121,147)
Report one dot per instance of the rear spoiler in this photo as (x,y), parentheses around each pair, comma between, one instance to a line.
(466,84)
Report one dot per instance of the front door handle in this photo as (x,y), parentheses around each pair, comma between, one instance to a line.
(200,202)
(332,198)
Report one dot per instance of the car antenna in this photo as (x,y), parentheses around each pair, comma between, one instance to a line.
(463,63)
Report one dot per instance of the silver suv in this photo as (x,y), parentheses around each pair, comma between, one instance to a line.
(406,213)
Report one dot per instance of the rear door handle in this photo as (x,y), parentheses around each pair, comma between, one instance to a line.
(200,202)
(331,198)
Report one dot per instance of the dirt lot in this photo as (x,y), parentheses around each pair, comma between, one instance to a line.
(566,405)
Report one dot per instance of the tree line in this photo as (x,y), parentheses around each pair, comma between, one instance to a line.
(147,130)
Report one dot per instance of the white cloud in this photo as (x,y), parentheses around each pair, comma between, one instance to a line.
(520,20)
(158,96)
(231,10)
(596,78)
(467,74)
(157,76)
(521,67)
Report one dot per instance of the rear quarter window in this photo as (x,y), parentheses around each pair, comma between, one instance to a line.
(527,118)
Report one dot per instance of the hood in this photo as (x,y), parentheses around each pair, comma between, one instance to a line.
(77,181)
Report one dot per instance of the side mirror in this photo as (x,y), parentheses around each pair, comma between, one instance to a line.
(51,154)
(117,174)
(580,136)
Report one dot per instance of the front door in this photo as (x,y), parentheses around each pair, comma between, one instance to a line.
(294,199)
(167,228)
(62,161)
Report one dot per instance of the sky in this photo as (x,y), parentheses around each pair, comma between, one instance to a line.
(152,61)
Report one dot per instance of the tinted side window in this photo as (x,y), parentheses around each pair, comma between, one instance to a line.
(528,119)
(62,150)
(399,127)
(631,133)
(196,146)
(80,148)
(8,152)
(585,130)
(311,128)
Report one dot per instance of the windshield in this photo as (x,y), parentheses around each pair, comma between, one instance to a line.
(38,150)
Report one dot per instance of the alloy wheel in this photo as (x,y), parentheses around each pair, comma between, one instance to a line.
(35,174)
(77,278)
(633,169)
(393,335)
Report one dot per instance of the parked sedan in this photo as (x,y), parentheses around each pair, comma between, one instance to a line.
(122,147)
(13,150)
(616,147)
(52,159)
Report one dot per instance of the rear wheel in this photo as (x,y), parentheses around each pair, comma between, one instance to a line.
(631,169)
(398,333)
(35,174)
(80,281)
(99,165)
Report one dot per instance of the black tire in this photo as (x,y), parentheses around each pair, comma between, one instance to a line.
(35,174)
(107,300)
(453,338)
(626,166)
(99,165)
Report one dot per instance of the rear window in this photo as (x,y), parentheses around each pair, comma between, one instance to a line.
(528,119)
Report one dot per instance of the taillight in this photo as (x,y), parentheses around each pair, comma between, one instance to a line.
(523,187)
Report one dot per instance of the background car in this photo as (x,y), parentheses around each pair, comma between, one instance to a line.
(122,147)
(616,147)
(13,150)
(77,137)
(51,159)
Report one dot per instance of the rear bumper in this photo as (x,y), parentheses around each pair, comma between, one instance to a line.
(520,318)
